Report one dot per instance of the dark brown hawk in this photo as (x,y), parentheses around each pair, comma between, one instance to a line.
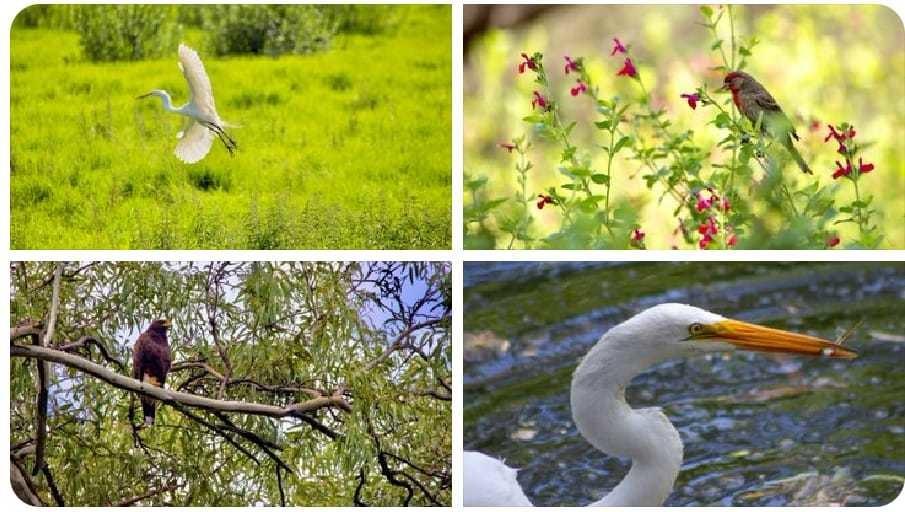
(151,362)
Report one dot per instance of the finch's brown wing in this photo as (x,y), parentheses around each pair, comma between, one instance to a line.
(766,101)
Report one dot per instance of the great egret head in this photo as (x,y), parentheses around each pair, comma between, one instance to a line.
(677,330)
(156,92)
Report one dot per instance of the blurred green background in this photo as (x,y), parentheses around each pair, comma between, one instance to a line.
(825,63)
(343,114)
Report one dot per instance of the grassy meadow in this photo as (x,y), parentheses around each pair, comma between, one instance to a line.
(348,148)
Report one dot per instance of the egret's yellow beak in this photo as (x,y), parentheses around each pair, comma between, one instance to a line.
(764,339)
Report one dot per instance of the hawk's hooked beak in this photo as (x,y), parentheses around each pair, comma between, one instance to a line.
(747,336)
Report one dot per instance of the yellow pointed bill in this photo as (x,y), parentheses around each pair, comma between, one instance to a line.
(747,336)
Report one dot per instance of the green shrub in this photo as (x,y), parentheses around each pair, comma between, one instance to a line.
(268,29)
(366,19)
(127,32)
(47,16)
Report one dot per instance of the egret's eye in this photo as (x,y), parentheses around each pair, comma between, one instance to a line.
(696,329)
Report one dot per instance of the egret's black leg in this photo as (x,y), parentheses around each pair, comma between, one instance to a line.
(220,131)
(225,139)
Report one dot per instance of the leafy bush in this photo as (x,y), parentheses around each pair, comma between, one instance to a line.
(127,32)
(47,16)
(366,19)
(268,29)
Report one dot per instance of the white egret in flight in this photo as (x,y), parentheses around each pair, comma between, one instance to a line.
(646,436)
(202,120)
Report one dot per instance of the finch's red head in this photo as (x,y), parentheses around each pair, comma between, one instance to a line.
(735,79)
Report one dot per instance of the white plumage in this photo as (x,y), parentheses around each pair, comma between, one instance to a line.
(202,121)
(608,422)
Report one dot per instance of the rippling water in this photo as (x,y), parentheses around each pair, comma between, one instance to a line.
(758,429)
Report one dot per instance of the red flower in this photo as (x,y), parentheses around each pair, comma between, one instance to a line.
(529,63)
(544,200)
(539,101)
(693,99)
(864,168)
(732,240)
(725,205)
(833,241)
(628,69)
(578,89)
(617,47)
(637,235)
(571,65)
(507,145)
(815,125)
(704,204)
(840,137)
(708,227)
(842,171)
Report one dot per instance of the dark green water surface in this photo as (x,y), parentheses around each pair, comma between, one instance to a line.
(758,429)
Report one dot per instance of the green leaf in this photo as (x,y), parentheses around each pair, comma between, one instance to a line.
(569,128)
(624,141)
(534,118)
(476,183)
(603,125)
(589,204)
(717,45)
(707,11)
(600,179)
(722,120)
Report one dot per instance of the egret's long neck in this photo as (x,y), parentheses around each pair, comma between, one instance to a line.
(167,102)
(606,420)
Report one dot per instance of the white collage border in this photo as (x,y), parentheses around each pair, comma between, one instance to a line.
(457,255)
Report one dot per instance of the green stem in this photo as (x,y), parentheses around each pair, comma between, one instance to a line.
(677,158)
(860,211)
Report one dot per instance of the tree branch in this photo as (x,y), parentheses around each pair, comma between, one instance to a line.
(150,494)
(43,372)
(27,328)
(356,498)
(399,342)
(87,342)
(22,484)
(51,483)
(297,410)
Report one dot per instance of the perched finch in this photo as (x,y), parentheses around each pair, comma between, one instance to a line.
(756,103)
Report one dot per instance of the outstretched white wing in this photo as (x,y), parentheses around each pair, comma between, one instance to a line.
(195,143)
(199,83)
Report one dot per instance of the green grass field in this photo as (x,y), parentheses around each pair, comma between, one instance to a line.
(349,148)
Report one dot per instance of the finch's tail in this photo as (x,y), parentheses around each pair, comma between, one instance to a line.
(797,157)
